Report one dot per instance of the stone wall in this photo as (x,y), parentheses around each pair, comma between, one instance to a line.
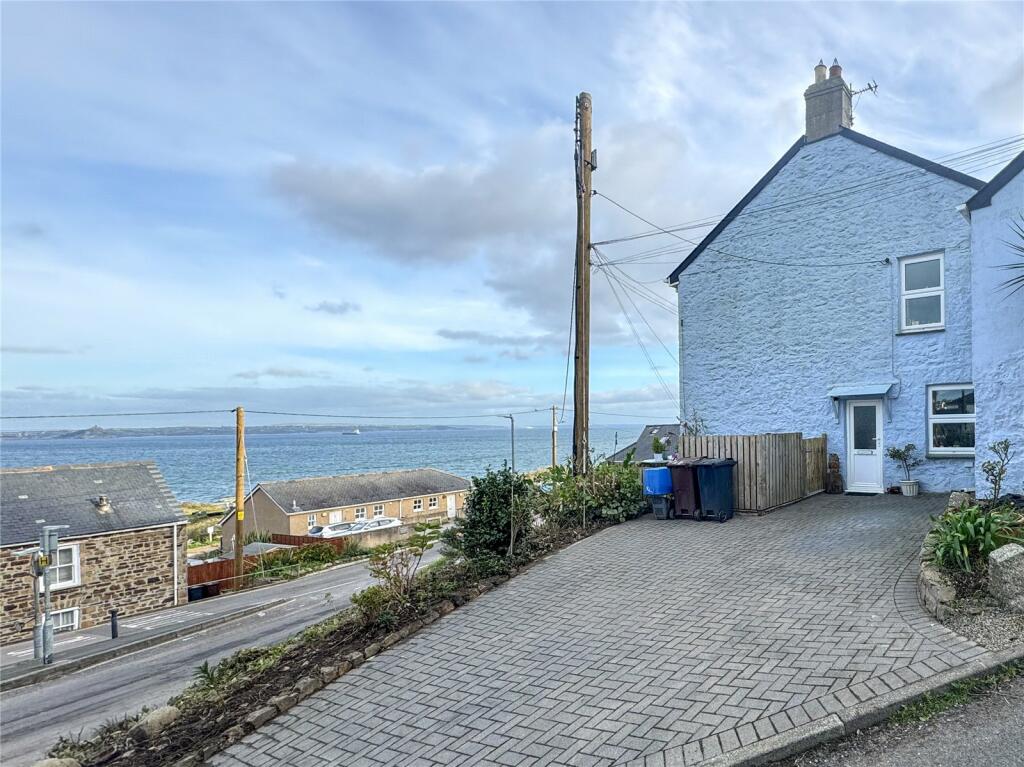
(760,344)
(132,572)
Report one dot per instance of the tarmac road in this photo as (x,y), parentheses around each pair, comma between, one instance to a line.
(32,718)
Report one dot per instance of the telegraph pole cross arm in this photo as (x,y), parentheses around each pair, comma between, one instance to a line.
(586,163)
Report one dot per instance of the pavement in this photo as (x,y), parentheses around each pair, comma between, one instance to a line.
(988,730)
(652,643)
(34,717)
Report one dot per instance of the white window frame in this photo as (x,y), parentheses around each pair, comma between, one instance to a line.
(75,621)
(360,513)
(417,504)
(311,521)
(906,295)
(378,510)
(76,570)
(952,418)
(432,503)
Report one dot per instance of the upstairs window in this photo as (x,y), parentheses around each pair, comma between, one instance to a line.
(64,568)
(378,510)
(922,293)
(432,503)
(361,512)
(417,504)
(951,420)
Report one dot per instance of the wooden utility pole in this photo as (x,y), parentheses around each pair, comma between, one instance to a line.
(554,438)
(239,495)
(581,380)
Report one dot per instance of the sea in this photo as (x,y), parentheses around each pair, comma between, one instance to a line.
(201,467)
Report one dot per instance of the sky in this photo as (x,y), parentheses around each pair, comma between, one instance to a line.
(369,208)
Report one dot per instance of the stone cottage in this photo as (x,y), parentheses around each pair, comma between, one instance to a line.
(840,296)
(124,547)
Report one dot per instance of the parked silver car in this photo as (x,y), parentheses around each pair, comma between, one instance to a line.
(367,525)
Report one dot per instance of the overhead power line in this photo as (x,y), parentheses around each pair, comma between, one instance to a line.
(816,210)
(1002,149)
(798,264)
(114,415)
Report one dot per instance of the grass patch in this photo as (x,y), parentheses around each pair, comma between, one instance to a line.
(955,695)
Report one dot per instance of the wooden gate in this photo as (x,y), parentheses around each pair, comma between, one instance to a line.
(771,469)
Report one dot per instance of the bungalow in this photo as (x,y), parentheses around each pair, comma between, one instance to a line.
(124,547)
(853,291)
(291,507)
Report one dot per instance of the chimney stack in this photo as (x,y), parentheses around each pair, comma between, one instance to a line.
(829,103)
(103,505)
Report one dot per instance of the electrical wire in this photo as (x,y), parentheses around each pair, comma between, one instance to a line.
(568,345)
(669,249)
(113,415)
(639,340)
(830,265)
(1000,147)
(395,417)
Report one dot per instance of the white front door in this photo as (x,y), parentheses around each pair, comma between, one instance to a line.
(451,506)
(864,446)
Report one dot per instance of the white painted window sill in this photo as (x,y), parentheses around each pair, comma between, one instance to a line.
(916,331)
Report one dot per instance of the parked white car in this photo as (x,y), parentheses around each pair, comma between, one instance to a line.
(337,530)
(367,525)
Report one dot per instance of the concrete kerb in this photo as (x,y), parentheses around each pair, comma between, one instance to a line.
(45,673)
(856,718)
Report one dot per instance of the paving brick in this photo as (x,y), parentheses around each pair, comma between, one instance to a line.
(812,611)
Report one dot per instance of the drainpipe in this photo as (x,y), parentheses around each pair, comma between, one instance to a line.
(174,546)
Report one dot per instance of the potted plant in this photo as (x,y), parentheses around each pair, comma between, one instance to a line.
(658,448)
(905,456)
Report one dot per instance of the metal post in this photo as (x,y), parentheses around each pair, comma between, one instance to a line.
(113,624)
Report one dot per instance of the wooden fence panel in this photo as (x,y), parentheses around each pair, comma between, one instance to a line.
(771,469)
(816,463)
(340,544)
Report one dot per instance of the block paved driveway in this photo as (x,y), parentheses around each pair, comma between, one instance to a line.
(657,642)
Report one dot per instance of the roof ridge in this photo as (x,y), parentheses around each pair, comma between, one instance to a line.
(352,475)
(76,466)
(983,197)
(852,135)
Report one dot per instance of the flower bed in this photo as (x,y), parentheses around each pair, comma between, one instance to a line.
(493,542)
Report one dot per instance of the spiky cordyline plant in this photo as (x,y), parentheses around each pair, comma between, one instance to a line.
(1016,245)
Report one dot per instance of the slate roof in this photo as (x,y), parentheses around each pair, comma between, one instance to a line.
(667,432)
(314,493)
(860,138)
(984,196)
(67,495)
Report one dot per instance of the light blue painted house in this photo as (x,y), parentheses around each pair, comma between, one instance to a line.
(854,291)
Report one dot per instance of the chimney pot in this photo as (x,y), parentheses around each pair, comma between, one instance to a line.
(828,102)
(103,504)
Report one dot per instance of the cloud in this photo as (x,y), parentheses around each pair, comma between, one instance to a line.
(281,372)
(279,292)
(518,193)
(54,350)
(494,339)
(475,359)
(335,307)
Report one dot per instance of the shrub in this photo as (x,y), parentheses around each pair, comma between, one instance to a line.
(905,457)
(609,491)
(377,607)
(498,517)
(995,471)
(962,539)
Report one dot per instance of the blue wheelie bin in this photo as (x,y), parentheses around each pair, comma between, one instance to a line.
(714,478)
(658,488)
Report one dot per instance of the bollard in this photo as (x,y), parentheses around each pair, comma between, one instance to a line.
(113,624)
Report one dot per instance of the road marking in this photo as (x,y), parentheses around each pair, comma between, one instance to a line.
(62,643)
(150,622)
